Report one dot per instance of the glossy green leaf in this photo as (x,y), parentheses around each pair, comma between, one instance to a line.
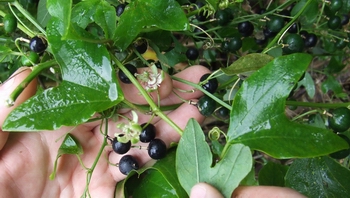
(319,177)
(248,63)
(194,162)
(100,12)
(69,146)
(142,14)
(89,86)
(310,13)
(309,85)
(61,11)
(272,174)
(258,117)
(161,178)
(43,15)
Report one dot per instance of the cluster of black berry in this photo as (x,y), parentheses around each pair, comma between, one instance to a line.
(156,148)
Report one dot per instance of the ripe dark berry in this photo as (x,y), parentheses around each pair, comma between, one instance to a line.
(128,163)
(132,69)
(148,132)
(37,44)
(157,149)
(344,19)
(246,28)
(120,9)
(192,53)
(120,147)
(340,119)
(310,40)
(141,46)
(294,28)
(211,84)
(268,33)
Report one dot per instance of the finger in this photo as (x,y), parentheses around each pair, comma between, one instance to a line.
(6,89)
(132,94)
(265,191)
(204,190)
(192,74)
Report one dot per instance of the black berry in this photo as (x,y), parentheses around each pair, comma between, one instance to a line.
(37,44)
(310,40)
(128,163)
(120,147)
(120,9)
(148,132)
(157,149)
(211,84)
(192,53)
(132,69)
(141,46)
(246,28)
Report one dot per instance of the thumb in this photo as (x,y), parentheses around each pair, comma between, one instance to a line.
(204,190)
(5,91)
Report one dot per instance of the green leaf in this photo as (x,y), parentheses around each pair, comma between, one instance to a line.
(43,15)
(194,162)
(89,86)
(100,12)
(332,84)
(69,146)
(272,174)
(61,11)
(248,63)
(335,65)
(161,178)
(310,13)
(258,117)
(142,14)
(319,177)
(309,85)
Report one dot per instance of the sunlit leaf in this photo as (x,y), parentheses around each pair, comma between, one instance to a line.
(258,117)
(194,162)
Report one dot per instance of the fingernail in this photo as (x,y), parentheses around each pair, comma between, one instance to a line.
(198,191)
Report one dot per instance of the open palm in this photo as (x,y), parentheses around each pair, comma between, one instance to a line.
(26,159)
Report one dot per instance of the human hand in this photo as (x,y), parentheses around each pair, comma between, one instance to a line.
(204,190)
(27,158)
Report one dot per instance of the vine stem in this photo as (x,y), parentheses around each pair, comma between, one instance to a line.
(35,72)
(284,29)
(144,93)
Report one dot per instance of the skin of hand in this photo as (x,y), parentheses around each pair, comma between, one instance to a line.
(27,158)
